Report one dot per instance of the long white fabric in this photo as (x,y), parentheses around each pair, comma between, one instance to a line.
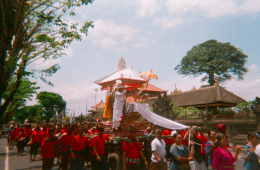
(144,110)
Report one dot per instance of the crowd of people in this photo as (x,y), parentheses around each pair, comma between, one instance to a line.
(189,149)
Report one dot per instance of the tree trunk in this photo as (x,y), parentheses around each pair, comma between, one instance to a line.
(211,80)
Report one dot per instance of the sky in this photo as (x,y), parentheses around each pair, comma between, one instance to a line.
(153,34)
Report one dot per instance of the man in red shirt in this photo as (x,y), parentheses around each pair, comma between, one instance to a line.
(47,150)
(65,142)
(132,148)
(28,132)
(77,146)
(44,134)
(65,129)
(99,158)
(204,140)
(168,142)
(35,141)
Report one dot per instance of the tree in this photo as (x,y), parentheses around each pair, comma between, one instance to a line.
(24,92)
(162,106)
(32,113)
(32,32)
(214,58)
(51,103)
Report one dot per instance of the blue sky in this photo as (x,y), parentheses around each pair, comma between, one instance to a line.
(154,34)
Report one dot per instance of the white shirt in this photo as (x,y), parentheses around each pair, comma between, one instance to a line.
(160,148)
(257,150)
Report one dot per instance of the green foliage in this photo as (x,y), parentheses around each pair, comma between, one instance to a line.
(190,112)
(214,58)
(25,92)
(162,106)
(32,113)
(51,103)
(33,32)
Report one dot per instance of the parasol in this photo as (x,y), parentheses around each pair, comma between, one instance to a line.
(127,76)
(149,75)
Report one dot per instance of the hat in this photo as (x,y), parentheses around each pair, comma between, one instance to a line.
(194,128)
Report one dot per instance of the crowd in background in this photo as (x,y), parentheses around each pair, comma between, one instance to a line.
(189,149)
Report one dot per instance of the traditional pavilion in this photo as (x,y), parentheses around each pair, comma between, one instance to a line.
(97,111)
(147,92)
(204,98)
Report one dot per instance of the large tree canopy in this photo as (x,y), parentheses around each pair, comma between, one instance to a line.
(51,103)
(219,61)
(31,32)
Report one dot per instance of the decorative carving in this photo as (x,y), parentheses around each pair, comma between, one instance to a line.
(121,64)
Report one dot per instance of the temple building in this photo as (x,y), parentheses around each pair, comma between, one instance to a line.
(204,98)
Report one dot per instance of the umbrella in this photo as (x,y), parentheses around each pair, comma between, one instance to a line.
(127,76)
(149,75)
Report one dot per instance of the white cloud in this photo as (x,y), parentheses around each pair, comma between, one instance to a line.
(181,11)
(106,30)
(76,95)
(69,52)
(209,9)
(248,88)
(142,43)
(212,8)
(121,49)
(168,23)
(251,6)
(147,7)
(106,43)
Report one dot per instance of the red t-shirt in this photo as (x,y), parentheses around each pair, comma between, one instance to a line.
(28,132)
(64,130)
(203,141)
(43,135)
(167,132)
(99,142)
(17,130)
(78,142)
(48,147)
(74,133)
(12,135)
(132,152)
(66,140)
(92,131)
(36,137)
(19,135)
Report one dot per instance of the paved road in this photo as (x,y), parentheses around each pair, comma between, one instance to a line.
(23,163)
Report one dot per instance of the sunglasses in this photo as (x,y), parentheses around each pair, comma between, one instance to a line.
(133,131)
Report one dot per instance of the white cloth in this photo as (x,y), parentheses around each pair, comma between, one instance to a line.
(118,108)
(257,150)
(173,132)
(160,148)
(144,110)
